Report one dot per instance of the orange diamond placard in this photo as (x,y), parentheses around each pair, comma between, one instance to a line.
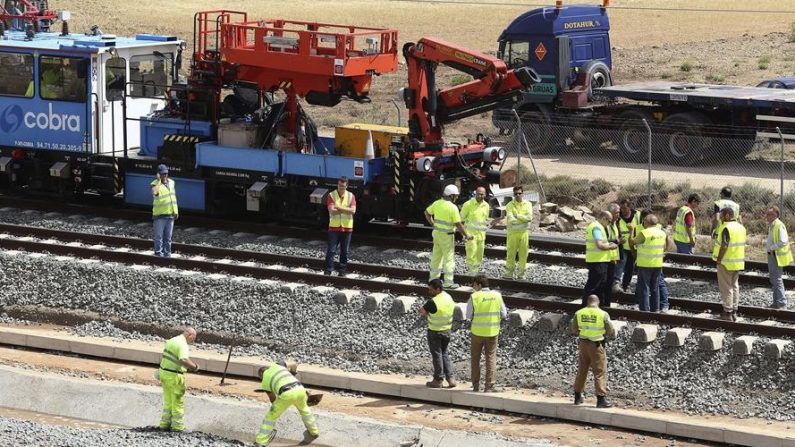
(541,51)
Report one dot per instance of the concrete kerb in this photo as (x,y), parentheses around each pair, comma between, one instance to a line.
(401,387)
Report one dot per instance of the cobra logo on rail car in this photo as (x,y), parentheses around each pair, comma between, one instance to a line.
(11,118)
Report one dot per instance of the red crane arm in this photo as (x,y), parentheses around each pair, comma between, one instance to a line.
(492,87)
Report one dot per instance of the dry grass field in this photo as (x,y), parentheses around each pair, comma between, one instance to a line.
(716,47)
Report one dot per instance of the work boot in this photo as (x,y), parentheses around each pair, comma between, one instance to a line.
(476,387)
(267,441)
(616,287)
(343,273)
(451,383)
(734,315)
(578,399)
(725,316)
(602,402)
(435,383)
(493,389)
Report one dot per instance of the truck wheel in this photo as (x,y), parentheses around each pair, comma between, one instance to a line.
(600,76)
(633,138)
(686,142)
(538,131)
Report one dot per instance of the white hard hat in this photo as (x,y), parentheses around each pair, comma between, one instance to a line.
(450,190)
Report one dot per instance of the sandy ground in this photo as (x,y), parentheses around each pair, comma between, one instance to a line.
(390,410)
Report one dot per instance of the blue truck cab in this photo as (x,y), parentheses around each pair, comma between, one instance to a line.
(559,43)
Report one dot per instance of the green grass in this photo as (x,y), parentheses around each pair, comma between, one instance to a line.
(792,32)
(665,75)
(686,66)
(764,62)
(716,78)
(460,79)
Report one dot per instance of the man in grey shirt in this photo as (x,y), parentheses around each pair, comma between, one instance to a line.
(778,255)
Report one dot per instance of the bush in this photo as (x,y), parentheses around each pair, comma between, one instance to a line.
(753,199)
(686,66)
(764,62)
(792,32)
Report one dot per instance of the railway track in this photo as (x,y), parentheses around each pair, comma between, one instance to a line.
(394,280)
(556,250)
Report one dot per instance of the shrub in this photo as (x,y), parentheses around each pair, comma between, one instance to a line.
(686,66)
(792,32)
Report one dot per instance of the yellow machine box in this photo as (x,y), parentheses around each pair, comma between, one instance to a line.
(351,139)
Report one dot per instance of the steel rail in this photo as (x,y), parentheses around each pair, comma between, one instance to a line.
(511,298)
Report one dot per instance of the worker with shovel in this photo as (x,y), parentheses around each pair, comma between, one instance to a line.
(284,391)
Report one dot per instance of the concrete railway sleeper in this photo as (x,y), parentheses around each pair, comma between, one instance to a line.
(411,237)
(515,293)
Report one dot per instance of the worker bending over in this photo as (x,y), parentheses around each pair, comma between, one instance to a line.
(518,215)
(284,391)
(173,365)
(443,216)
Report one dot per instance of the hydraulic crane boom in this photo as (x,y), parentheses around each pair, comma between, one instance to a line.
(494,86)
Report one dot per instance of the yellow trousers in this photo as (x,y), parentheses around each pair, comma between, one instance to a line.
(517,247)
(474,249)
(443,257)
(295,397)
(173,400)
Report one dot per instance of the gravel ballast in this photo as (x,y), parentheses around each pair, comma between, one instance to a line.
(556,275)
(14,432)
(309,327)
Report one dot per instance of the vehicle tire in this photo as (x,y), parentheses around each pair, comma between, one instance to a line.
(686,141)
(537,128)
(632,137)
(600,76)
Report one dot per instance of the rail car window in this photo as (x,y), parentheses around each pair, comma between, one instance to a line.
(63,78)
(516,54)
(150,74)
(16,74)
(115,78)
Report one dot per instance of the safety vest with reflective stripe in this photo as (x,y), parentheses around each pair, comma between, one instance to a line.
(623,228)
(445,215)
(734,258)
(518,216)
(276,377)
(652,251)
(783,254)
(612,236)
(165,203)
(728,203)
(681,233)
(486,306)
(592,252)
(475,216)
(170,359)
(442,319)
(591,323)
(341,220)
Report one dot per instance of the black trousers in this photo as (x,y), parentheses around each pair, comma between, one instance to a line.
(597,278)
(607,286)
(442,366)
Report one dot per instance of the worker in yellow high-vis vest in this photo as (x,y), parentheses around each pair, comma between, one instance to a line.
(444,217)
(598,253)
(173,365)
(164,211)
(341,205)
(650,244)
(439,312)
(475,214)
(729,255)
(779,255)
(613,237)
(284,391)
(628,218)
(685,229)
(486,310)
(518,216)
(591,324)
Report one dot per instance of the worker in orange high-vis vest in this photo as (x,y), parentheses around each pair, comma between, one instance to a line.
(341,208)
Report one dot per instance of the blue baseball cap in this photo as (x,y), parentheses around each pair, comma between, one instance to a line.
(162,169)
